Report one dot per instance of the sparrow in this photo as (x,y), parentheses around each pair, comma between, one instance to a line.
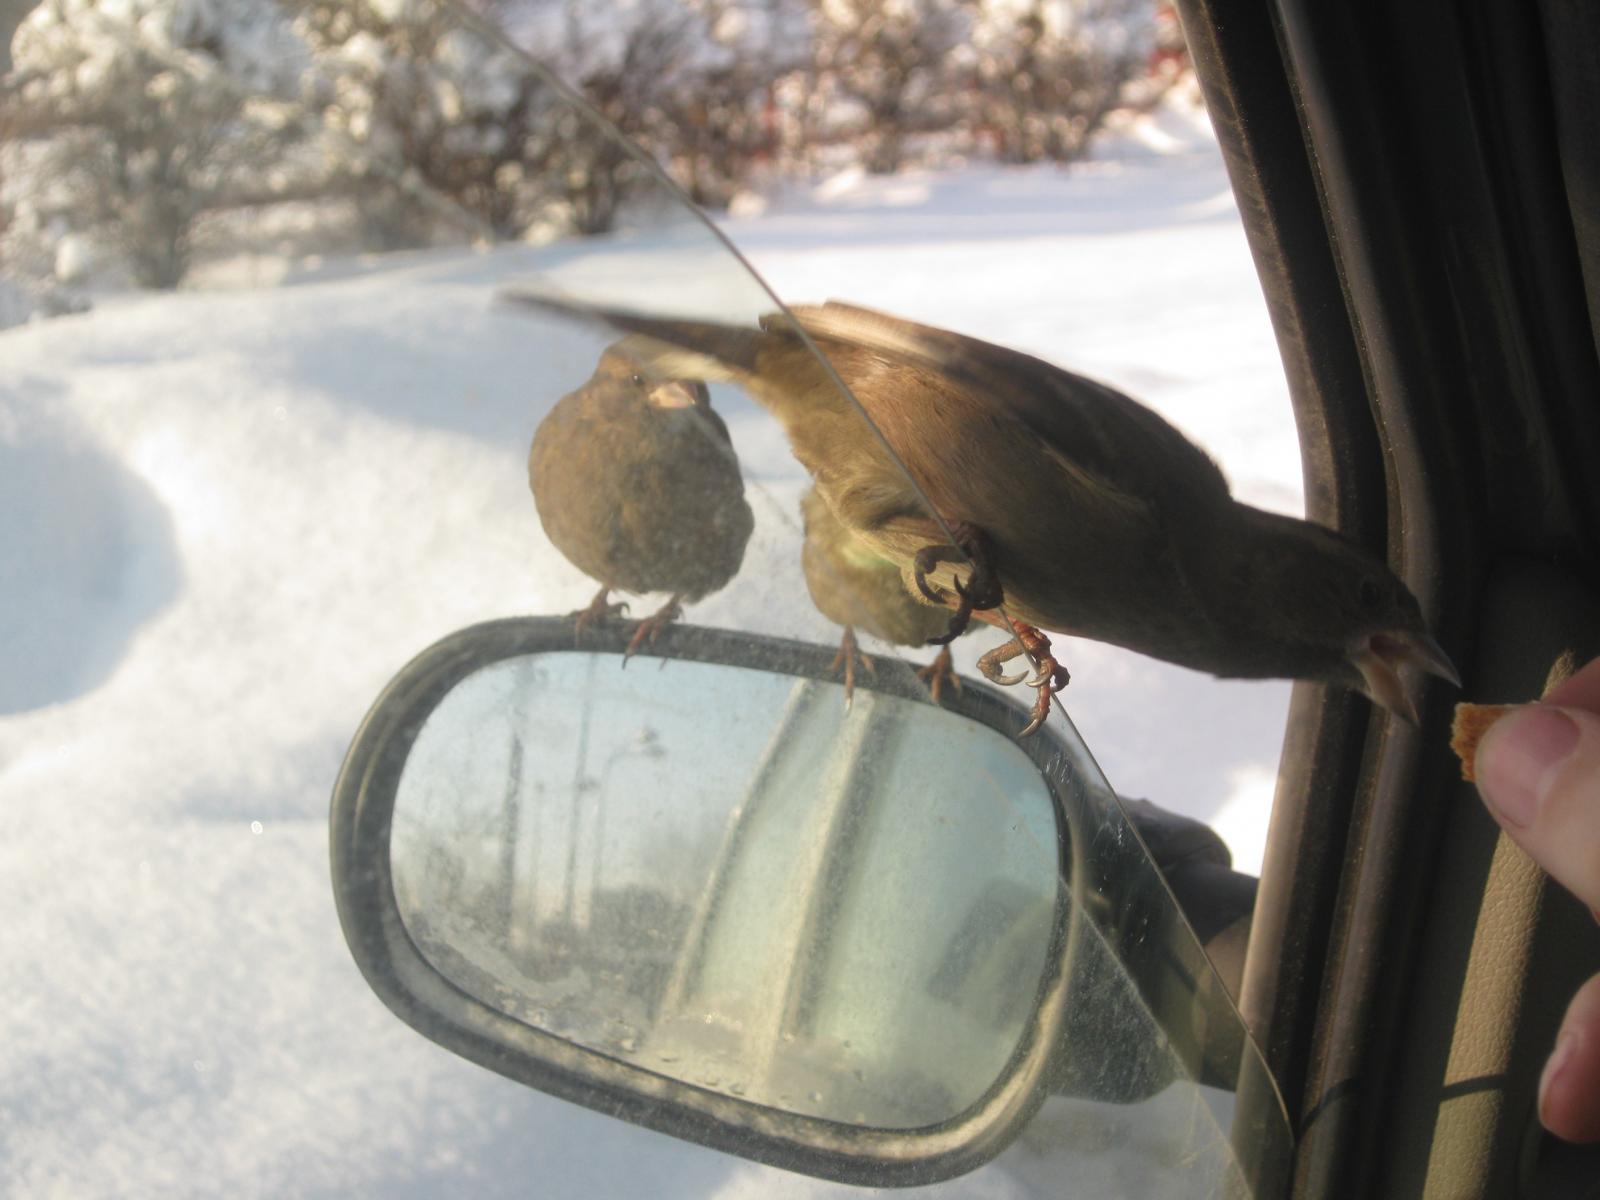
(1039,499)
(854,586)
(636,483)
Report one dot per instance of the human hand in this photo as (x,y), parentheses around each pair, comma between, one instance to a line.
(1538,771)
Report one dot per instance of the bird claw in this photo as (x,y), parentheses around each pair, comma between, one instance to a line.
(980,591)
(959,620)
(650,628)
(989,663)
(925,560)
(597,611)
(1041,710)
(1048,677)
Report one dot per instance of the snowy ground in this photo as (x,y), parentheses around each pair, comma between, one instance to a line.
(226,517)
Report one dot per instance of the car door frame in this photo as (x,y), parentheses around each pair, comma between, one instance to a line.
(1400,171)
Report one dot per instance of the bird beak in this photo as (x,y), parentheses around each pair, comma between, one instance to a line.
(674,395)
(1379,658)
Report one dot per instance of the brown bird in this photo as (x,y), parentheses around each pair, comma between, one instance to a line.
(1072,504)
(853,585)
(636,482)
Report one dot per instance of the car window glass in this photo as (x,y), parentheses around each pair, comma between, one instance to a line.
(284,445)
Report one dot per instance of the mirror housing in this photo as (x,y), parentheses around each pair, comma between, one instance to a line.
(1090,1048)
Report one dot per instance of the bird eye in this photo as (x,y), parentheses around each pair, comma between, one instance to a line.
(637,380)
(1370,593)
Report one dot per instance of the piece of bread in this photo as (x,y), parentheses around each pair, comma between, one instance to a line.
(1471,722)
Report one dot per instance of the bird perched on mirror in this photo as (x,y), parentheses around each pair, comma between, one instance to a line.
(637,484)
(854,586)
(1038,499)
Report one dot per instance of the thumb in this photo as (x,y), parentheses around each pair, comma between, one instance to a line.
(1538,771)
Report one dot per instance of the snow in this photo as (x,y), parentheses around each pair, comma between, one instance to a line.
(16,306)
(227,517)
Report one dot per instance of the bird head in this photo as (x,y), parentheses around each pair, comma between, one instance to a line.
(1336,612)
(644,380)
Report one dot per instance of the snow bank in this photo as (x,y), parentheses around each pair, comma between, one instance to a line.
(16,306)
(88,558)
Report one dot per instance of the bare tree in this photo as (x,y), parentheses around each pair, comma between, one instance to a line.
(890,58)
(630,73)
(1049,72)
(722,126)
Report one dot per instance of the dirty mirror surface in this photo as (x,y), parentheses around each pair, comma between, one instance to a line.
(731,878)
(846,913)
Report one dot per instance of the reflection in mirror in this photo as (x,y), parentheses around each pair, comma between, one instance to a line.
(849,912)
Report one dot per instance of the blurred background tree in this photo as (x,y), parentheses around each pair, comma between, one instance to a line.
(889,60)
(1048,72)
(429,122)
(124,123)
(131,128)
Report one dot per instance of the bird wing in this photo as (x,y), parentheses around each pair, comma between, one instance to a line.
(1096,432)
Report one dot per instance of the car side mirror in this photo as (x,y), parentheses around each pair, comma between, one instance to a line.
(870,942)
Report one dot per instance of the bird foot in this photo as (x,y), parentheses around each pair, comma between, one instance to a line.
(598,610)
(981,589)
(989,663)
(936,673)
(650,628)
(1049,676)
(849,654)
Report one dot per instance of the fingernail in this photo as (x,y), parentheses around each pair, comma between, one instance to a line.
(1566,1047)
(1516,756)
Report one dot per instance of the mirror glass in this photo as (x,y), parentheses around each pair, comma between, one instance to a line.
(734,879)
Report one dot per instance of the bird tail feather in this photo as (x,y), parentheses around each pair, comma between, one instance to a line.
(679,348)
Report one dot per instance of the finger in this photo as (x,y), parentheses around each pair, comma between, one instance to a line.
(1538,771)
(1581,690)
(1569,1089)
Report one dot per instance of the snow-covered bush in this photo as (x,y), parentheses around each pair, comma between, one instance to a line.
(441,126)
(130,130)
(126,120)
(430,122)
(688,81)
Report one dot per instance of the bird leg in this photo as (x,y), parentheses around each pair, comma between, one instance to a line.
(598,610)
(651,627)
(981,589)
(1050,677)
(847,657)
(937,672)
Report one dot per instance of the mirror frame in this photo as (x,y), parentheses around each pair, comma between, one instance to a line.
(412,988)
